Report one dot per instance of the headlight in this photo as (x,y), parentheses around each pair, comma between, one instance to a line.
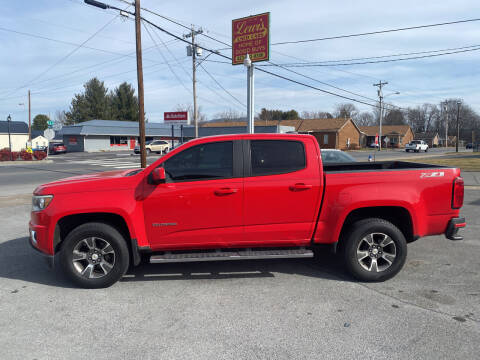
(41,202)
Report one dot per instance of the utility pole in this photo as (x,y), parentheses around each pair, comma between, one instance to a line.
(138,38)
(141,109)
(192,51)
(445,109)
(29,118)
(380,97)
(458,126)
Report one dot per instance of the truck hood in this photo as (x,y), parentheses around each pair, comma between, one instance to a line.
(108,180)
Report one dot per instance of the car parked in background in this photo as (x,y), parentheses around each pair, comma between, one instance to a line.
(416,146)
(158,146)
(471,146)
(336,156)
(57,148)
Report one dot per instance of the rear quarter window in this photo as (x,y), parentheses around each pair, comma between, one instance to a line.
(273,157)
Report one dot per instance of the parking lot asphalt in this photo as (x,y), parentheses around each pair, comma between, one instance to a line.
(280,309)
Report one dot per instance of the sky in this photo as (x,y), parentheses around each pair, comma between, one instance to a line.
(39,51)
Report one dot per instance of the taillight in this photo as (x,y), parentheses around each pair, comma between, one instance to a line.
(457,196)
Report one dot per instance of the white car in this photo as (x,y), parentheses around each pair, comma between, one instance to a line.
(158,146)
(416,146)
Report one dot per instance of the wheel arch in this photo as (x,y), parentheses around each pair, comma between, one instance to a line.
(69,222)
(397,215)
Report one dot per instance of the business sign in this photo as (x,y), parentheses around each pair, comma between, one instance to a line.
(251,35)
(176,117)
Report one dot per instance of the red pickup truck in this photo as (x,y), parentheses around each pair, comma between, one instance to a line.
(244,197)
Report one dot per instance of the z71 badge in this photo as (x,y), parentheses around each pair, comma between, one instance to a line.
(432,174)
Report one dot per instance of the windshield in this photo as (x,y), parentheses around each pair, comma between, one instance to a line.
(336,157)
(415,142)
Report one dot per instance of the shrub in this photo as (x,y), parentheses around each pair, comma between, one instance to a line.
(25,155)
(39,155)
(4,154)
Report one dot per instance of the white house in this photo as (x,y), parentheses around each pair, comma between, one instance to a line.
(18,135)
(39,142)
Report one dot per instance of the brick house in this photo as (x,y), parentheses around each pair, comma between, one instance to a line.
(340,133)
(398,135)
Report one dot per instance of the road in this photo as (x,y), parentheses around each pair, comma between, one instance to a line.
(281,309)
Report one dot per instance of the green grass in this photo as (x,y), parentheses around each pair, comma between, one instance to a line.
(464,161)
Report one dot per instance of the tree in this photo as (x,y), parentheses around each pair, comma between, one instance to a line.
(266,115)
(60,119)
(201,117)
(124,103)
(346,110)
(394,117)
(93,103)
(40,122)
(364,119)
(230,115)
(316,115)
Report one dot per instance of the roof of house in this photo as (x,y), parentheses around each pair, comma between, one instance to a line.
(386,130)
(118,128)
(300,125)
(16,127)
(36,133)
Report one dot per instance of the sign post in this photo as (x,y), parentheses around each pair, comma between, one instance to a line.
(251,43)
(175,118)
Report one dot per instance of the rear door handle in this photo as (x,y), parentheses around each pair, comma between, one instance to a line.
(300,187)
(225,191)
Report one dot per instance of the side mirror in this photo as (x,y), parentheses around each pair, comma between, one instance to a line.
(158,175)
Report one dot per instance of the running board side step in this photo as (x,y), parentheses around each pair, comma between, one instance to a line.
(169,257)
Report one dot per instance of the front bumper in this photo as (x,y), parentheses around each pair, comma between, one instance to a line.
(33,241)
(452,228)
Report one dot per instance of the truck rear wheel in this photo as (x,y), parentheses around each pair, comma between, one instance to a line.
(374,250)
(94,255)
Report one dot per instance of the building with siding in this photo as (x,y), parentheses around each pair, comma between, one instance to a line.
(112,135)
(398,135)
(341,133)
(18,135)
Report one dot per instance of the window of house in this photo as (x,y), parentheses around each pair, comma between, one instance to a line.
(325,139)
(270,157)
(118,140)
(201,162)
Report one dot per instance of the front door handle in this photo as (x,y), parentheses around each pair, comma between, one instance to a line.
(225,191)
(300,187)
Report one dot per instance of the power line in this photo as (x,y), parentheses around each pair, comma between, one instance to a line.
(377,32)
(382,56)
(379,61)
(220,85)
(163,56)
(64,57)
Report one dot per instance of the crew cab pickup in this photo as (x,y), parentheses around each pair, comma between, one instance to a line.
(239,197)
(416,146)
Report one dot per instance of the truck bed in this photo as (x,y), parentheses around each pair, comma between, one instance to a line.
(378,165)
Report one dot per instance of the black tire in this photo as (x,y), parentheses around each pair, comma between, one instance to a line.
(104,233)
(407,150)
(426,149)
(149,151)
(416,151)
(355,239)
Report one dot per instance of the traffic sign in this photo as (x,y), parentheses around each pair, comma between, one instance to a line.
(49,134)
(50,122)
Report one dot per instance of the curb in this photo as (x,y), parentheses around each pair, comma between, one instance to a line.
(23,162)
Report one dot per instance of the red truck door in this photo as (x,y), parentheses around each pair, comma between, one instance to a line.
(282,191)
(200,205)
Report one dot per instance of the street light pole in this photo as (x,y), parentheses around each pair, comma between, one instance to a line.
(458,126)
(9,118)
(250,95)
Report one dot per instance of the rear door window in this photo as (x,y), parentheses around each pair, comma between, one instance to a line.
(272,157)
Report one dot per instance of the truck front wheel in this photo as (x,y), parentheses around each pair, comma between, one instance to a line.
(94,255)
(374,250)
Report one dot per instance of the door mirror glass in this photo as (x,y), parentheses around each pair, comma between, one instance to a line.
(158,175)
